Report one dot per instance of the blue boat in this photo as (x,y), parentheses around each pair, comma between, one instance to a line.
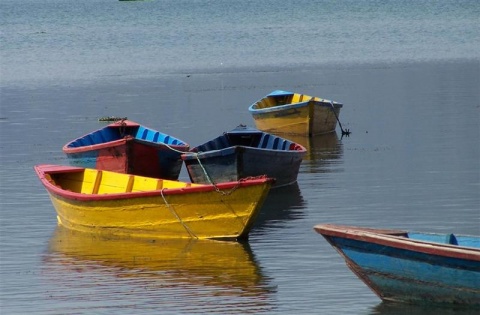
(411,267)
(128,147)
(245,152)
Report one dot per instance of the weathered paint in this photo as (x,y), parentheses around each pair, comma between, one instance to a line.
(245,152)
(128,147)
(122,204)
(411,267)
(283,112)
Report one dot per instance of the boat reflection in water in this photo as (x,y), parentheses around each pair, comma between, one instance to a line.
(388,308)
(320,147)
(286,203)
(185,272)
(283,204)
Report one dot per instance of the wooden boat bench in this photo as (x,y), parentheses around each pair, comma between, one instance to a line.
(92,182)
(437,238)
(274,143)
(121,183)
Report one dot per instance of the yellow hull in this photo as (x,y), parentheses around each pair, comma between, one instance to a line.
(178,262)
(202,215)
(295,114)
(324,120)
(294,121)
(193,211)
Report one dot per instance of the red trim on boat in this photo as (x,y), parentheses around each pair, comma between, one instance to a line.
(397,239)
(44,169)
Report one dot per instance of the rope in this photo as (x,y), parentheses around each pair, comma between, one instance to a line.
(173,149)
(344,132)
(225,193)
(203,169)
(123,126)
(176,215)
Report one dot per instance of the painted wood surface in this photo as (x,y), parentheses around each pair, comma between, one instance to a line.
(245,152)
(128,147)
(282,112)
(121,204)
(411,267)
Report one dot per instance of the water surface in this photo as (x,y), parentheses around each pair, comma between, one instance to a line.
(407,73)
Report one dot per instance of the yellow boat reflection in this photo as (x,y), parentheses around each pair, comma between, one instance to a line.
(229,266)
(326,146)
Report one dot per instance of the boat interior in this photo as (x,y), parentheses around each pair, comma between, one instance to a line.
(253,139)
(282,99)
(91,181)
(452,239)
(117,131)
(285,98)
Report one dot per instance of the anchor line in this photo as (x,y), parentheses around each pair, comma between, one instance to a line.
(123,126)
(206,173)
(344,132)
(176,215)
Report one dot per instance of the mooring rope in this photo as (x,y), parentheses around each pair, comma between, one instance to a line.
(203,169)
(344,132)
(177,216)
(224,193)
(123,126)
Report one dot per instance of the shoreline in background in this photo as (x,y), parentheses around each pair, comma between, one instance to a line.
(179,73)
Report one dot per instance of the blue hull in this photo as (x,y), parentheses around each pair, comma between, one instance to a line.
(412,268)
(245,152)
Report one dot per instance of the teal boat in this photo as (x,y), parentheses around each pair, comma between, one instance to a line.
(411,267)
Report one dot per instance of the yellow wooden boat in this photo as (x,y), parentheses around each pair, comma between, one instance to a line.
(112,203)
(228,267)
(282,112)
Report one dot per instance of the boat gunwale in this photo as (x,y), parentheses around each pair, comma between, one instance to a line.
(44,169)
(277,108)
(392,239)
(118,124)
(93,147)
(194,153)
(123,141)
(239,148)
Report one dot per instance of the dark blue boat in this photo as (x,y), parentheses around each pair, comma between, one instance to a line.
(128,147)
(245,152)
(411,267)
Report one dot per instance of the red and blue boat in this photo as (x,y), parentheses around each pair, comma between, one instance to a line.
(128,147)
(411,267)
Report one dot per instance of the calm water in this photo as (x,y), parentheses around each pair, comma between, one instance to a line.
(409,77)
(64,40)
